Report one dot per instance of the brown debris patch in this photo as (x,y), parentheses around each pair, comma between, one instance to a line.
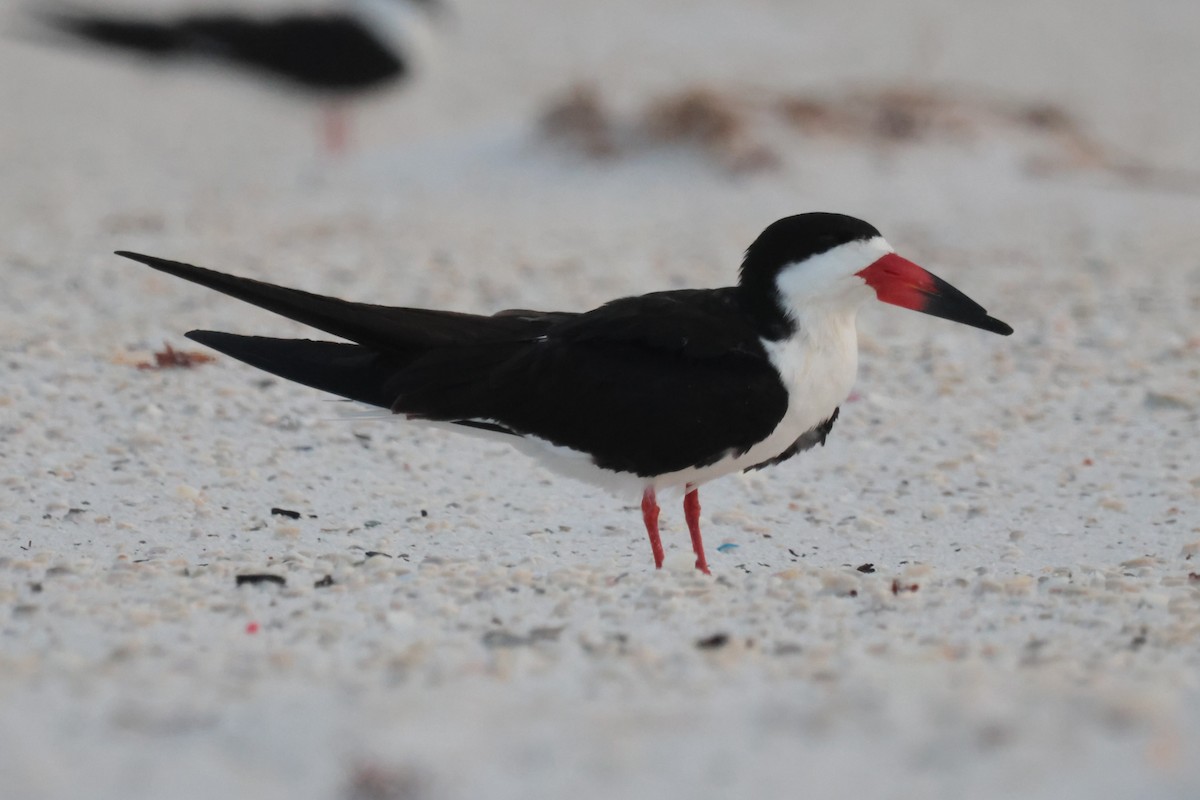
(170,358)
(580,120)
(905,115)
(715,121)
(700,114)
(883,116)
(745,130)
(376,781)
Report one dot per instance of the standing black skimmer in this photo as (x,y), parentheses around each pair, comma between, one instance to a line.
(333,54)
(669,389)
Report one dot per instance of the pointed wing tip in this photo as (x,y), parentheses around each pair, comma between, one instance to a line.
(149,261)
(208,338)
(218,340)
(180,269)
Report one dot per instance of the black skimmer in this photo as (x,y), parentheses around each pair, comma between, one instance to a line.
(334,54)
(664,390)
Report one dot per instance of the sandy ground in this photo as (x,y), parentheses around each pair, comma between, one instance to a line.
(458,624)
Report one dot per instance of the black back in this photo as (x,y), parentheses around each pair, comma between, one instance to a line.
(648,385)
(319,51)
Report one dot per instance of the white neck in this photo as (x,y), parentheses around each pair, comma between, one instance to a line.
(408,27)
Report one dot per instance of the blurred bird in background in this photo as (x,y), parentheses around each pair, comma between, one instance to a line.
(333,55)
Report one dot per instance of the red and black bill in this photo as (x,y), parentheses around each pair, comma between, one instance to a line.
(898,281)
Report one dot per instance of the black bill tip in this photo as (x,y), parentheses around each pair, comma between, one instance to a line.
(944,301)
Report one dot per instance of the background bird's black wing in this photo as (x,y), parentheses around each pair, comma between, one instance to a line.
(146,37)
(330,51)
(321,50)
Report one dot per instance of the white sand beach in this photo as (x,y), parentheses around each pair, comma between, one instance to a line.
(985,585)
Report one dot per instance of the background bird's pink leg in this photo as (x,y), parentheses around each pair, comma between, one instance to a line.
(650,516)
(335,130)
(691,512)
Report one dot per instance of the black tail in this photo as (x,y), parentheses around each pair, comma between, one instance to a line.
(146,38)
(347,370)
(381,327)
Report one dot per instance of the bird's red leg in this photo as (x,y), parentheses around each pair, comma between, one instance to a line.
(650,516)
(691,512)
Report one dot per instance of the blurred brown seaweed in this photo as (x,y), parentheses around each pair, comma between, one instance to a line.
(744,131)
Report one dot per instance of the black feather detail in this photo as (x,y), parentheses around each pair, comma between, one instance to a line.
(807,440)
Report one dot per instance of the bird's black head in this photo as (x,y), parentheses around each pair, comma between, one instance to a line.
(814,268)
(786,244)
(794,239)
